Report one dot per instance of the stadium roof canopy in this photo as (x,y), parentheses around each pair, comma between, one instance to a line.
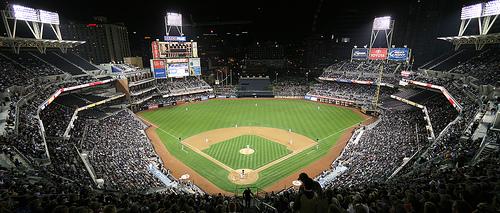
(40,44)
(477,40)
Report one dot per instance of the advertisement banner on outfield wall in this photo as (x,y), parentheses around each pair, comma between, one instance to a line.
(378,54)
(359,54)
(158,68)
(399,54)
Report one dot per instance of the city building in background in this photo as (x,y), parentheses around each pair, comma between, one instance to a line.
(105,42)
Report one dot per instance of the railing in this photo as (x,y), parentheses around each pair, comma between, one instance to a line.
(264,207)
(88,166)
(74,117)
(254,189)
(407,162)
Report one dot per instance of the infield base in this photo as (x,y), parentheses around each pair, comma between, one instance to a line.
(247,151)
(237,177)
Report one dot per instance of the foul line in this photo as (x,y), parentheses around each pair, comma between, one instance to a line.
(340,131)
(152,124)
(224,166)
(229,169)
(272,163)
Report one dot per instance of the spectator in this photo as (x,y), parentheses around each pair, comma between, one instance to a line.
(307,199)
(247,195)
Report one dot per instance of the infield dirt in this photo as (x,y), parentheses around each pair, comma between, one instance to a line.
(178,168)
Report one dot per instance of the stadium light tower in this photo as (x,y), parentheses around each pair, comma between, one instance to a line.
(34,19)
(468,14)
(173,20)
(490,13)
(385,24)
(485,13)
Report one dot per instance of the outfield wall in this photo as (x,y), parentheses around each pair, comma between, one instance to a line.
(313,98)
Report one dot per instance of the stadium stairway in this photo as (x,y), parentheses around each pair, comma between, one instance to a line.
(253,206)
(7,160)
(486,151)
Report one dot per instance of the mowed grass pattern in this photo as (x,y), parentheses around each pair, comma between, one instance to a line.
(228,152)
(311,119)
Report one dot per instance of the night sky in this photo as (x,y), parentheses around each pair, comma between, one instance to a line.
(269,18)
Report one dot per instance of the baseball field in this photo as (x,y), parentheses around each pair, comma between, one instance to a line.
(247,142)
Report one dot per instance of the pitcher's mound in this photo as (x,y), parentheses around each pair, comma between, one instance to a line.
(249,177)
(247,151)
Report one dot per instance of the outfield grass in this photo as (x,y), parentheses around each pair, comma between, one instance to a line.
(316,121)
(228,152)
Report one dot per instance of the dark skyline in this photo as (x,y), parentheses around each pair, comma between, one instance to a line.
(273,19)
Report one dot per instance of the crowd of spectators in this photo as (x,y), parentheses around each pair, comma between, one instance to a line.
(440,111)
(12,74)
(25,191)
(33,64)
(349,91)
(181,85)
(226,90)
(450,146)
(382,149)
(171,100)
(29,139)
(365,71)
(66,161)
(290,87)
(12,102)
(10,158)
(23,69)
(144,96)
(56,119)
(141,88)
(469,188)
(120,152)
(485,67)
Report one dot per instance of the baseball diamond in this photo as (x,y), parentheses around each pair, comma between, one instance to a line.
(228,152)
(285,136)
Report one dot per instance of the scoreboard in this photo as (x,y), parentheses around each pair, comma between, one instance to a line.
(175,68)
(175,59)
(174,49)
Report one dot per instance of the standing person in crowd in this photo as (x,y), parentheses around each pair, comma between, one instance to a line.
(247,195)
(307,200)
(316,187)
